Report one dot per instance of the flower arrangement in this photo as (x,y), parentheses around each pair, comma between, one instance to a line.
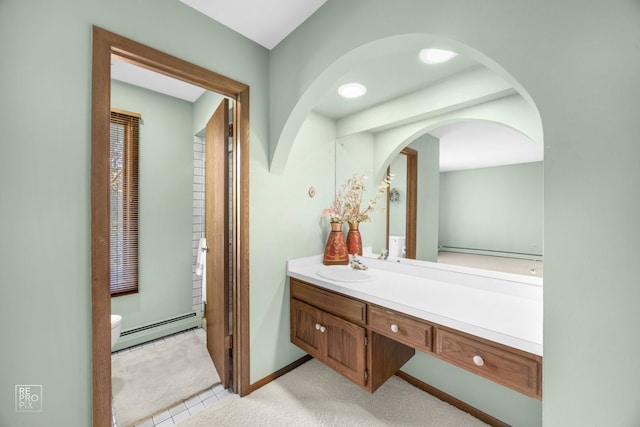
(347,205)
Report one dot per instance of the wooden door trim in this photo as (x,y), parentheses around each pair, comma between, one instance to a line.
(105,44)
(412,203)
(240,351)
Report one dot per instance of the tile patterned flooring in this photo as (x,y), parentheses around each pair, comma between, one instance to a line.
(183,410)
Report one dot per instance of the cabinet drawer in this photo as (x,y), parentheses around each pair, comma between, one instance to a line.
(512,368)
(399,327)
(330,302)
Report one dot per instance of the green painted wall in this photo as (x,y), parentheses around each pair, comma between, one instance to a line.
(203,108)
(398,211)
(427,222)
(288,225)
(577,60)
(166,200)
(355,155)
(493,209)
(45,81)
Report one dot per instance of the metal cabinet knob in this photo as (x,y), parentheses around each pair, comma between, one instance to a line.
(394,328)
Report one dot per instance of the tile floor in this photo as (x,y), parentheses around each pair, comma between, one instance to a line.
(183,410)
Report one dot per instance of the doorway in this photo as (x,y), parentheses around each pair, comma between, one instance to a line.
(106,44)
(409,200)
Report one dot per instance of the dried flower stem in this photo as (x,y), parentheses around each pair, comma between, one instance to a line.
(347,205)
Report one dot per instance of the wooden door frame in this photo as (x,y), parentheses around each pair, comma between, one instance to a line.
(105,44)
(411,202)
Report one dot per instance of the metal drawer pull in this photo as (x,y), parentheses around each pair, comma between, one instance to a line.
(320,328)
(478,360)
(394,328)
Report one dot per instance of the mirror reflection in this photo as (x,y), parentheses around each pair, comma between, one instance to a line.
(479,166)
(490,206)
(397,208)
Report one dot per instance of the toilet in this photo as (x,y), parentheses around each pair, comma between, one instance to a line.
(397,246)
(116,326)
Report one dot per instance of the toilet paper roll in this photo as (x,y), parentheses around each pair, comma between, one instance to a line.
(200,257)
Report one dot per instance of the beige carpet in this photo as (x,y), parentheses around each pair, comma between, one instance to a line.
(157,377)
(314,395)
(527,267)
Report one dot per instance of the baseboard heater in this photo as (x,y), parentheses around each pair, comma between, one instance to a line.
(158,324)
(162,328)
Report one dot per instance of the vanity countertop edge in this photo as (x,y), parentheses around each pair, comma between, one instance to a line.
(503,308)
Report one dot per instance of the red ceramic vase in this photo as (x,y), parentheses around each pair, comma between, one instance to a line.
(354,239)
(335,251)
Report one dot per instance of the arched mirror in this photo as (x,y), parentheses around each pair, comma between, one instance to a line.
(478,174)
(228,192)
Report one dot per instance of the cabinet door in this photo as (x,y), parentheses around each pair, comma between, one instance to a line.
(345,348)
(305,332)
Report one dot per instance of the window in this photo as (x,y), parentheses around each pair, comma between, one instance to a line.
(124,202)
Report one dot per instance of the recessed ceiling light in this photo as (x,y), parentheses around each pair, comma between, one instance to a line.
(352,90)
(436,56)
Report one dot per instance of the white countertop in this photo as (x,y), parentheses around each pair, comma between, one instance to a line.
(501,307)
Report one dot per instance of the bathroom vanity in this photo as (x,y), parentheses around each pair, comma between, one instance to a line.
(366,324)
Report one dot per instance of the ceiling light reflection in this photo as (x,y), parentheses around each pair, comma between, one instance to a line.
(436,56)
(352,90)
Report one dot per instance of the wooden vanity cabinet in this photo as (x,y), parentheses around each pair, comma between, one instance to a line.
(332,328)
(368,343)
(337,342)
(513,368)
(416,333)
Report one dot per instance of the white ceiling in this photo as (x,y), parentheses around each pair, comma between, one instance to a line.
(266,22)
(465,145)
(387,77)
(480,144)
(137,76)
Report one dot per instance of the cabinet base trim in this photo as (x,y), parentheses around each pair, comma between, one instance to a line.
(280,372)
(482,416)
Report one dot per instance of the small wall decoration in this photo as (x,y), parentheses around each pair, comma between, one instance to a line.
(394,195)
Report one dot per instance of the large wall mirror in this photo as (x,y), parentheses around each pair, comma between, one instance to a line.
(477,168)
(159,89)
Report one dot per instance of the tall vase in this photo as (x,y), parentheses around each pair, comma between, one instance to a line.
(335,251)
(354,239)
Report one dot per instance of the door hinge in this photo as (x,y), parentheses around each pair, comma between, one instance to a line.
(230,130)
(228,342)
(366,340)
(366,375)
